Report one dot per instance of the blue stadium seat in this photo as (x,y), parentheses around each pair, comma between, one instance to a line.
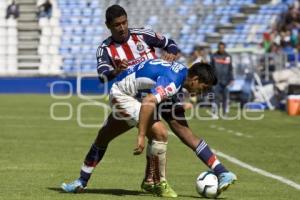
(87,12)
(97,13)
(76,40)
(85,21)
(76,12)
(78,30)
(74,20)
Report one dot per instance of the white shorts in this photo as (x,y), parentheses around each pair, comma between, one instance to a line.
(124,107)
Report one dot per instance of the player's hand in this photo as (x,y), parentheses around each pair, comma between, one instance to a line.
(120,65)
(140,145)
(169,57)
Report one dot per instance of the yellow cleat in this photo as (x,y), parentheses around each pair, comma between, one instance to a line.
(163,189)
(147,187)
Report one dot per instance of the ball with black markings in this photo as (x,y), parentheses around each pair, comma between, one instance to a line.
(207,184)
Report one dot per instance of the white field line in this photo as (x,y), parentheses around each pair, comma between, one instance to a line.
(40,117)
(222,129)
(252,168)
(257,170)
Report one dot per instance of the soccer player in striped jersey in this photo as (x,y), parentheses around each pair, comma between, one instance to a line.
(129,46)
(124,48)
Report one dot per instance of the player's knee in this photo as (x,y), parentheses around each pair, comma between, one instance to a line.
(161,135)
(159,132)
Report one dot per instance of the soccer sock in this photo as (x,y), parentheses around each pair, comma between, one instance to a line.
(209,158)
(149,171)
(93,157)
(159,150)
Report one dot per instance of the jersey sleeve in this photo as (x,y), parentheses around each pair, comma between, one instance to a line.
(157,40)
(164,88)
(104,64)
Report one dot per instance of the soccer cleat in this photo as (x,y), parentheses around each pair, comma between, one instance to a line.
(147,187)
(75,186)
(225,180)
(163,189)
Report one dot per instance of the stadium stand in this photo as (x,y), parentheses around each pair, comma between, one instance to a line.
(81,34)
(50,41)
(28,38)
(67,41)
(8,42)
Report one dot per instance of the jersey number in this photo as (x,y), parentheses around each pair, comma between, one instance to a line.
(160,62)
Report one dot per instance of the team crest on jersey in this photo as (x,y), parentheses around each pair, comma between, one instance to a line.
(140,46)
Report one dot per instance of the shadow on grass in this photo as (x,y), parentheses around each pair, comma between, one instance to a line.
(121,192)
(108,191)
(197,197)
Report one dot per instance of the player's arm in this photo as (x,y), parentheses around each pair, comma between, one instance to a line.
(164,88)
(107,67)
(168,45)
(146,112)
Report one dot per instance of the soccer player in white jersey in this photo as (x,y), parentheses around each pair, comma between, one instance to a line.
(124,48)
(161,80)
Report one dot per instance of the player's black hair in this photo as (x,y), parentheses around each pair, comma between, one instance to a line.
(205,72)
(221,43)
(113,12)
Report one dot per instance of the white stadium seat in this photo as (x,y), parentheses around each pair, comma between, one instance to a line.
(11,40)
(2,50)
(54,22)
(43,49)
(12,32)
(55,41)
(46,31)
(57,31)
(43,22)
(3,40)
(2,32)
(2,23)
(53,50)
(44,40)
(11,23)
(12,50)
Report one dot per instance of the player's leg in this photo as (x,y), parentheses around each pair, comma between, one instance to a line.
(159,135)
(225,100)
(110,130)
(203,152)
(130,108)
(147,184)
(218,98)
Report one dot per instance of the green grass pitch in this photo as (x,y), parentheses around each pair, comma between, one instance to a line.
(38,153)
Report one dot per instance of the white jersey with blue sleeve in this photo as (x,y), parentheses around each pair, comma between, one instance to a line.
(158,77)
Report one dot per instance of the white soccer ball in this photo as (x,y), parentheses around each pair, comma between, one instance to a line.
(207,184)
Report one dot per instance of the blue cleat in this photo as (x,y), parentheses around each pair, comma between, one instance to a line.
(75,187)
(225,180)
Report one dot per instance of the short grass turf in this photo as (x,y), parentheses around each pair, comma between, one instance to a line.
(38,153)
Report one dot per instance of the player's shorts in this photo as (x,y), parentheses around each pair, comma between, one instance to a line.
(172,109)
(124,107)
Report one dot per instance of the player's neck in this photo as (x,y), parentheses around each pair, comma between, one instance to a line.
(120,40)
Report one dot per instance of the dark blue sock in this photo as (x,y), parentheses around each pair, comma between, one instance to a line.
(209,158)
(93,157)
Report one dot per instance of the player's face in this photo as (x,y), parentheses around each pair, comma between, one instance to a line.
(193,85)
(119,28)
(221,48)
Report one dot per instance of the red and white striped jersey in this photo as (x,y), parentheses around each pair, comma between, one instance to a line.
(138,48)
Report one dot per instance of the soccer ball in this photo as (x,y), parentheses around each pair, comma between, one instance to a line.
(207,184)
